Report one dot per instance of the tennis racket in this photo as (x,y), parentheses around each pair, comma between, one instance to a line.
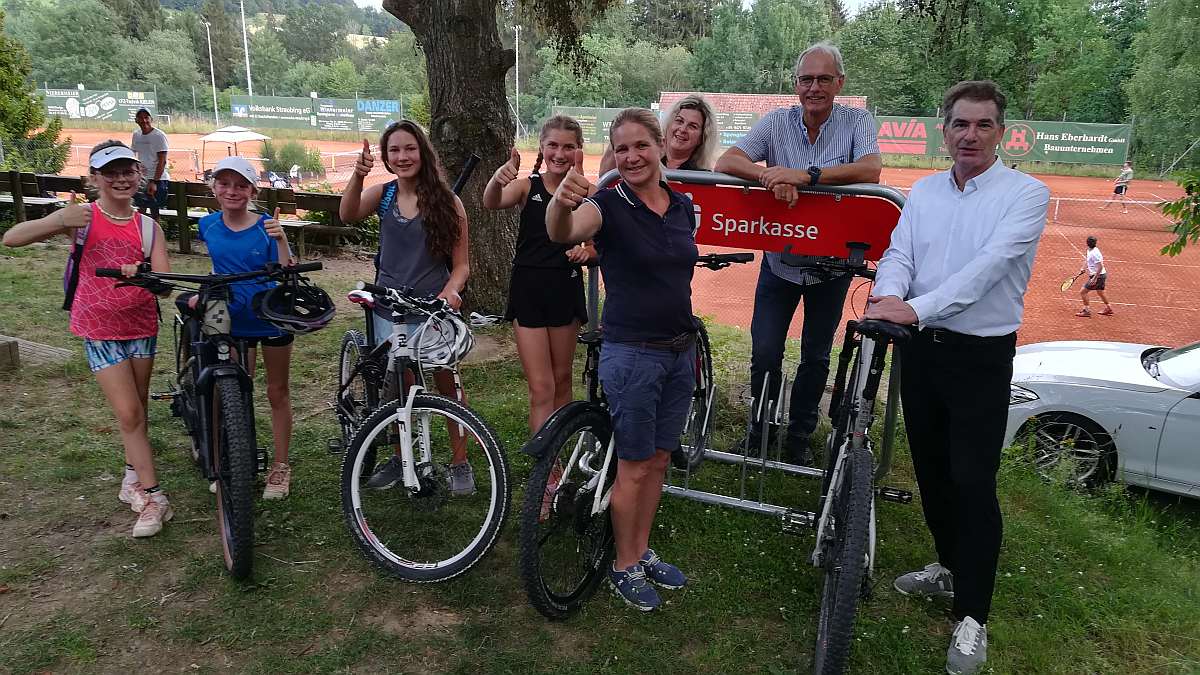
(1070,280)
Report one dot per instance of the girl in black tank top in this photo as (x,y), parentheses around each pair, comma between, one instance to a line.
(545,299)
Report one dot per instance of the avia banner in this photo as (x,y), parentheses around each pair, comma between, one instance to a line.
(1024,140)
(322,114)
(93,104)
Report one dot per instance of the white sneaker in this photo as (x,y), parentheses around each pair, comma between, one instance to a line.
(279,480)
(156,512)
(131,494)
(968,648)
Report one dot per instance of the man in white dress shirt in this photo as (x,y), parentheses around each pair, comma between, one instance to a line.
(958,267)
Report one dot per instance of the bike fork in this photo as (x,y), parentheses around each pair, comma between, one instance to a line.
(404,429)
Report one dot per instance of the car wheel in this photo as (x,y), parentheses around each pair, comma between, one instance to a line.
(1069,448)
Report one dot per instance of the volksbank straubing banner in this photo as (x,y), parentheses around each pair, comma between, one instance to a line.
(92,104)
(323,114)
(1024,140)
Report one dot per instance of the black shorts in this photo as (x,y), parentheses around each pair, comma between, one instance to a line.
(546,297)
(276,341)
(1120,189)
(1099,285)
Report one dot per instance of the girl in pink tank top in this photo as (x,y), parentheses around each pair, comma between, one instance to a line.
(119,325)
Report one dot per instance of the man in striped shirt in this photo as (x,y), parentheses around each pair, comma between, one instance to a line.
(816,142)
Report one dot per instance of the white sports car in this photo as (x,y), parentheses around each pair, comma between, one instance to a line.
(1115,410)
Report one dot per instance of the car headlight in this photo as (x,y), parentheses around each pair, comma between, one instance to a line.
(1018,395)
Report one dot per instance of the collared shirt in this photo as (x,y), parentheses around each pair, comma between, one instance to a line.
(647,261)
(781,139)
(962,258)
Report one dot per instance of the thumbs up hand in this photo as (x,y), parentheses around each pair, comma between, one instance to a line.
(366,161)
(574,186)
(75,216)
(274,229)
(507,172)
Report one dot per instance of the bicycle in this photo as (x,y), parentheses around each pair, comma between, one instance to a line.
(566,538)
(417,530)
(845,521)
(214,394)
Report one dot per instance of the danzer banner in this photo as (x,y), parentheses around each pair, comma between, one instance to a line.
(1024,140)
(92,104)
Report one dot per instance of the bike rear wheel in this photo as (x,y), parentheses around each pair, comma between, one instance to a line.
(234,461)
(565,550)
(696,429)
(426,535)
(844,559)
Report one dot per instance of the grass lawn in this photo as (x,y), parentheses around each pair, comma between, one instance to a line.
(1103,583)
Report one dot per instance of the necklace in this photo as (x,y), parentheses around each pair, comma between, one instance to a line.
(115,218)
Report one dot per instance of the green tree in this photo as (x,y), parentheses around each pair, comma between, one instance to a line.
(138,18)
(165,61)
(342,80)
(91,51)
(270,61)
(1162,92)
(600,85)
(725,60)
(876,50)
(1186,213)
(303,78)
(671,22)
(314,32)
(226,44)
(1075,59)
(781,30)
(21,114)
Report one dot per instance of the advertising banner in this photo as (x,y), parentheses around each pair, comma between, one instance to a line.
(1071,142)
(279,112)
(336,114)
(92,104)
(731,126)
(594,121)
(819,224)
(374,115)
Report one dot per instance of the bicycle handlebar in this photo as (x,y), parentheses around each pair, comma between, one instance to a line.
(270,270)
(467,169)
(717,261)
(402,297)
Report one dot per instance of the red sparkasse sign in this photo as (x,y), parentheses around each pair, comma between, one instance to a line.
(819,224)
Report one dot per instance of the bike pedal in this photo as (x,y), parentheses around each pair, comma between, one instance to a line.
(261,458)
(796,522)
(890,494)
(163,395)
(335,446)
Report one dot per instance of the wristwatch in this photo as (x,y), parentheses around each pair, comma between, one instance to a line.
(814,173)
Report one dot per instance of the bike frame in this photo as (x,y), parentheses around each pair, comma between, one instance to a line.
(791,519)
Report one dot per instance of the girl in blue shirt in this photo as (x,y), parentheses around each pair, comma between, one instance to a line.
(240,240)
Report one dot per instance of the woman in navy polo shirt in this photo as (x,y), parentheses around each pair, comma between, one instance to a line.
(642,230)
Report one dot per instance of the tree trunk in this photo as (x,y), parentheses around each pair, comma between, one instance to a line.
(469,113)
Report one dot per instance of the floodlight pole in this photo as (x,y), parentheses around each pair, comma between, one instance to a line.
(246,50)
(212,73)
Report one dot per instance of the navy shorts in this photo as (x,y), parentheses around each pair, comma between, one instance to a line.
(649,392)
(1098,285)
(144,201)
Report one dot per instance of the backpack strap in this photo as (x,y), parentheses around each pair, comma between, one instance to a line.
(71,275)
(385,204)
(149,233)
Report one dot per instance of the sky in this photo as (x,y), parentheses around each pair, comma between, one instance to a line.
(852,6)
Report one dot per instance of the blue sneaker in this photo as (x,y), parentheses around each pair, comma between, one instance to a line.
(662,573)
(630,585)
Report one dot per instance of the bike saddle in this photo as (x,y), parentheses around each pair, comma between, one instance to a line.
(894,332)
(361,298)
(590,337)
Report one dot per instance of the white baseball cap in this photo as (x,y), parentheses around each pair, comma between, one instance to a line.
(238,165)
(112,153)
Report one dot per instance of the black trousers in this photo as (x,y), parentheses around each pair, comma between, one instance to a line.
(955,392)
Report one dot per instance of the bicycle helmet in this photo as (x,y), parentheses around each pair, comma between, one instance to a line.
(443,340)
(295,307)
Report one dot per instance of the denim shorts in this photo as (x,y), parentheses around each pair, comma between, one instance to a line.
(104,353)
(144,201)
(649,392)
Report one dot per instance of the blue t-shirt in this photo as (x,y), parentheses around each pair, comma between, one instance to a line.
(647,261)
(245,251)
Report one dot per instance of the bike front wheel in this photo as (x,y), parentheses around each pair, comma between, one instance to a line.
(354,392)
(844,544)
(565,547)
(234,462)
(696,429)
(427,532)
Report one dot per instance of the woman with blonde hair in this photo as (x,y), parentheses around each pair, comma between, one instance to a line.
(690,141)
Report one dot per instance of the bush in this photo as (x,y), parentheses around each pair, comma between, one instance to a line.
(281,157)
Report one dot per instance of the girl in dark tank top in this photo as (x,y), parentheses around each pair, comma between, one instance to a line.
(423,244)
(546,302)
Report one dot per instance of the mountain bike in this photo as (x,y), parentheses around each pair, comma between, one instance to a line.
(566,538)
(415,529)
(845,524)
(214,396)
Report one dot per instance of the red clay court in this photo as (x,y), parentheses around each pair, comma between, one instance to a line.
(1152,294)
